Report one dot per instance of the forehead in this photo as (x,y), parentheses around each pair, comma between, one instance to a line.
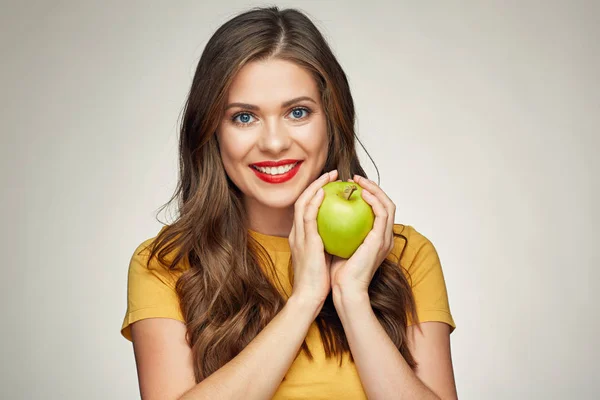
(272,80)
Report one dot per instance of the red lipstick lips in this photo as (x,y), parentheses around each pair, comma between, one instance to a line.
(276,178)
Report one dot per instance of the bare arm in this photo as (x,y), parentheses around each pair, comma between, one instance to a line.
(163,358)
(431,349)
(385,374)
(383,371)
(165,368)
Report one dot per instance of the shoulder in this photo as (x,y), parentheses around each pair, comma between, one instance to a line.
(141,264)
(421,265)
(410,243)
(151,287)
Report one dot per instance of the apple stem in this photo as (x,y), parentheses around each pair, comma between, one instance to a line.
(348,191)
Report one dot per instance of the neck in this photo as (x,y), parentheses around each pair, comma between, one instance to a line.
(268,220)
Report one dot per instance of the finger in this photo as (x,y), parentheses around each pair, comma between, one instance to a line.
(292,236)
(390,225)
(374,189)
(305,197)
(378,232)
(311,190)
(310,215)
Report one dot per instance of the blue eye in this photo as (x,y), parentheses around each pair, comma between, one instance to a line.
(243,118)
(299,113)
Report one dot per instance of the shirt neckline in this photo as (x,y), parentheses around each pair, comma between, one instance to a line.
(276,243)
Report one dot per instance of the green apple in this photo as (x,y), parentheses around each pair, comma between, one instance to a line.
(344,218)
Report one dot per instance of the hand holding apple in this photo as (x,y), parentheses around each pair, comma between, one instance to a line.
(311,265)
(344,219)
(351,277)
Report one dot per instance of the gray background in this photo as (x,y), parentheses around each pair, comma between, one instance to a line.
(481,116)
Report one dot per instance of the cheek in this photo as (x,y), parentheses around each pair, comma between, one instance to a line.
(314,138)
(232,147)
(233,150)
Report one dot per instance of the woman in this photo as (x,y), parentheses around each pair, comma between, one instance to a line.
(237,299)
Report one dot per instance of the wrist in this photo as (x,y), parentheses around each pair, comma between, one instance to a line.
(344,297)
(303,306)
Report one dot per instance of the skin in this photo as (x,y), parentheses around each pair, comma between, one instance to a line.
(273,132)
(383,371)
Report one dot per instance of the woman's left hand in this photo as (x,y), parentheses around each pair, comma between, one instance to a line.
(353,275)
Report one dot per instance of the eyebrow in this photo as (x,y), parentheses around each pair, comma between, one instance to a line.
(257,108)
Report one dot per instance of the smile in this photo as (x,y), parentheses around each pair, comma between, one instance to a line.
(276,172)
(282,169)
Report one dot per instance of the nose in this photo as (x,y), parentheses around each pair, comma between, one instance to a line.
(274,138)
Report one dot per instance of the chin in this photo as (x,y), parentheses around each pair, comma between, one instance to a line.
(278,199)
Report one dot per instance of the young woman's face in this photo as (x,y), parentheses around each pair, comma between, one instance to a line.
(273,116)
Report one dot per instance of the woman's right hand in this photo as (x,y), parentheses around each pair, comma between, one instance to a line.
(310,262)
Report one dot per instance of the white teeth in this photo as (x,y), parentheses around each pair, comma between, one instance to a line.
(282,169)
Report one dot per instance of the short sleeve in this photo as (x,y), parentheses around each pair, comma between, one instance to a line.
(426,278)
(150,290)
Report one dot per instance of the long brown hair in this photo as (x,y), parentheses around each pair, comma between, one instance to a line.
(225,296)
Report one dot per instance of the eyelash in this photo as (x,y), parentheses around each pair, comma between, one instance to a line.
(233,118)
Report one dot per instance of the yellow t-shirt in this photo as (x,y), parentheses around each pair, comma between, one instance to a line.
(151,293)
